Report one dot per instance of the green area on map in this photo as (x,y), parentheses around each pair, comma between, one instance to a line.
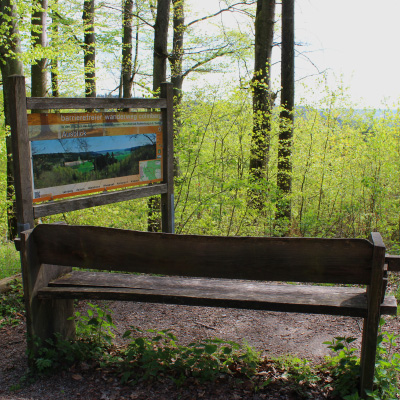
(150,170)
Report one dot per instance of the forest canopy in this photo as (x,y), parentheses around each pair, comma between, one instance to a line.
(344,161)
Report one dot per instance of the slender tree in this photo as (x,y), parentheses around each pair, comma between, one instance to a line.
(284,176)
(89,48)
(126,73)
(176,56)
(10,47)
(39,41)
(262,99)
(54,61)
(9,65)
(160,57)
(197,56)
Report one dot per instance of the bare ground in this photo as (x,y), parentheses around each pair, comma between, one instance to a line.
(274,334)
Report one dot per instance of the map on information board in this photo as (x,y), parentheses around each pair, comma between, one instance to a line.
(82,153)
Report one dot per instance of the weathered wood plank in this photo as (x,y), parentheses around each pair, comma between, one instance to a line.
(252,258)
(185,297)
(393,262)
(346,297)
(21,153)
(57,207)
(117,280)
(350,301)
(52,103)
(307,295)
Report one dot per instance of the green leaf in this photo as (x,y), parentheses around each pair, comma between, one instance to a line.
(127,334)
(94,322)
(210,348)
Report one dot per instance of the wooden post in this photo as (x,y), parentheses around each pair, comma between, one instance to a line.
(21,153)
(167,199)
(371,323)
(43,317)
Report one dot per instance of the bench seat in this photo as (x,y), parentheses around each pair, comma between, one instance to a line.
(229,293)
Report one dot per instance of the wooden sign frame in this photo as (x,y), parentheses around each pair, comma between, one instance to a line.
(27,211)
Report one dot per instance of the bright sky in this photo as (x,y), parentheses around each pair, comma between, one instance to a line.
(355,39)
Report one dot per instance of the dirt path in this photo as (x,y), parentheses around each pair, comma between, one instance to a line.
(272,333)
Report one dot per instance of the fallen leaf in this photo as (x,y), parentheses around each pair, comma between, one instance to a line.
(77,377)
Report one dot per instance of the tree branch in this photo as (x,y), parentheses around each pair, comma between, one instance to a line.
(229,8)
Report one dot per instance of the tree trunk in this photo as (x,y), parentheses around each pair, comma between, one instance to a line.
(54,78)
(284,176)
(262,100)
(160,44)
(176,57)
(175,60)
(159,76)
(39,39)
(9,65)
(89,48)
(126,76)
(54,62)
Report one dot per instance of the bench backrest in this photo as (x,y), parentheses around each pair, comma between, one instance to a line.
(252,258)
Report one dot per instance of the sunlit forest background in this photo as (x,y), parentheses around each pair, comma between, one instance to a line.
(345,160)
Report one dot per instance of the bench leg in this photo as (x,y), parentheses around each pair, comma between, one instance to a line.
(50,316)
(44,318)
(371,322)
(368,354)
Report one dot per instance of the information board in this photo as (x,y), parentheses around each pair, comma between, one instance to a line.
(82,153)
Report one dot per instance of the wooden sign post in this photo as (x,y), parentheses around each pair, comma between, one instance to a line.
(28,209)
(53,315)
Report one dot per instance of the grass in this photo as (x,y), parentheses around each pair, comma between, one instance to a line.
(85,167)
(9,260)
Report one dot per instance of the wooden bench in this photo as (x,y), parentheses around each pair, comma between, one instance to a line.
(204,271)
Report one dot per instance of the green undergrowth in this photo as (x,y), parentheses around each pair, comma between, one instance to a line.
(153,355)
(12,308)
(9,260)
(343,367)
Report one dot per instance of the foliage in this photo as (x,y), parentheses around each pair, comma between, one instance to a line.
(12,307)
(387,368)
(9,260)
(346,172)
(161,353)
(344,367)
(344,169)
(300,370)
(151,356)
(94,337)
(293,372)
(3,175)
(95,327)
(56,354)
